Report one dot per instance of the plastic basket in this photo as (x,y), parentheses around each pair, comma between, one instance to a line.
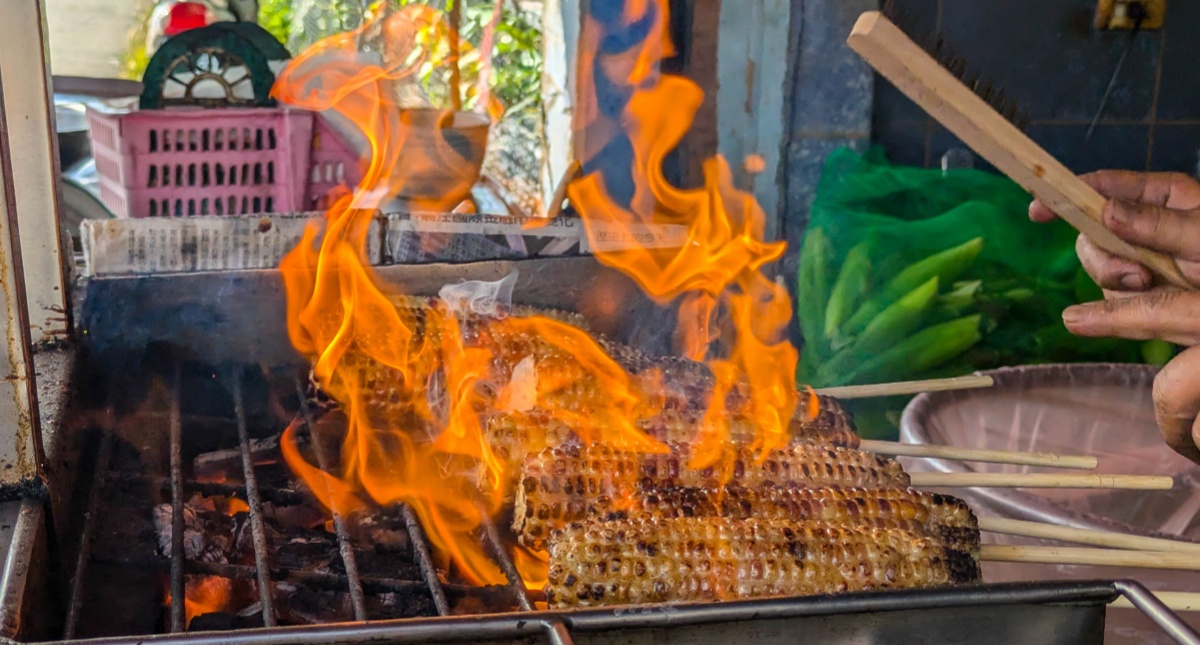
(231,161)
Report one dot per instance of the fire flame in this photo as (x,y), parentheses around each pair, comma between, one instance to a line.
(417,385)
(210,595)
(722,259)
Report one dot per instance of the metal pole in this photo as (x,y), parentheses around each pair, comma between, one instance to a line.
(32,138)
(20,433)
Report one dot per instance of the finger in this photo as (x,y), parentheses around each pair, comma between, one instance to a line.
(1109,271)
(1167,189)
(1162,229)
(1162,314)
(1039,212)
(1177,403)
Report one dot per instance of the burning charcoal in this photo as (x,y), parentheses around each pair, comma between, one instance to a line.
(384,531)
(225,465)
(219,622)
(207,535)
(301,605)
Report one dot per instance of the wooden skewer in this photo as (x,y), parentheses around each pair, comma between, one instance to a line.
(907,387)
(1174,600)
(554,208)
(1091,557)
(1085,536)
(1040,480)
(915,73)
(893,448)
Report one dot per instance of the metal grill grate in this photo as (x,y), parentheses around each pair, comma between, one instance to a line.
(264,572)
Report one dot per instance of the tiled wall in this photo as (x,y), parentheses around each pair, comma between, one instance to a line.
(1047,56)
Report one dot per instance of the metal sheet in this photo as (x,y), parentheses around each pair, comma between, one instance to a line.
(20,435)
(239,316)
(1047,614)
(25,69)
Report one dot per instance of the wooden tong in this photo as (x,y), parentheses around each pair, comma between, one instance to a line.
(924,80)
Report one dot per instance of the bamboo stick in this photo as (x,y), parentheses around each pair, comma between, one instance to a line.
(951,103)
(1085,536)
(1040,480)
(1174,600)
(907,387)
(1091,557)
(892,448)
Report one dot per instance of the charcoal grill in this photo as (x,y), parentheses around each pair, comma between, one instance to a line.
(233,381)
(170,367)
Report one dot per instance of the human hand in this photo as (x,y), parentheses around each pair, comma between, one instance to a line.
(1159,211)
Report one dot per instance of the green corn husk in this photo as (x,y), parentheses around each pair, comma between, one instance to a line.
(925,350)
(946,266)
(899,320)
(851,286)
(812,290)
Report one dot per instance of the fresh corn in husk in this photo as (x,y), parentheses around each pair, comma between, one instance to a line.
(702,559)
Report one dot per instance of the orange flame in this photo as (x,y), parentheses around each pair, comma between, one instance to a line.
(721,261)
(210,595)
(408,446)
(418,385)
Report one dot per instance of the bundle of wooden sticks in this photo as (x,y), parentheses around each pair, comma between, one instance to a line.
(1101,548)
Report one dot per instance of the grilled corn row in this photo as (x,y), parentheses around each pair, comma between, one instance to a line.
(703,559)
(568,483)
(834,428)
(946,518)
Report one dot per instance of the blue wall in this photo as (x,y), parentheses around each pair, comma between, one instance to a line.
(1047,56)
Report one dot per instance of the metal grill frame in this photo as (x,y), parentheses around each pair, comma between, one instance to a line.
(262,569)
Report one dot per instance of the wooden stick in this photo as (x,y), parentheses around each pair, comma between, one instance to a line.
(1040,480)
(915,73)
(1174,600)
(554,208)
(907,387)
(893,448)
(1091,557)
(1085,536)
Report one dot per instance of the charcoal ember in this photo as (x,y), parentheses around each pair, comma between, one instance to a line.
(208,536)
(384,530)
(222,621)
(304,550)
(226,465)
(302,605)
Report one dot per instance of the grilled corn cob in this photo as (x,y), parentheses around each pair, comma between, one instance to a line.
(566,484)
(701,559)
(941,516)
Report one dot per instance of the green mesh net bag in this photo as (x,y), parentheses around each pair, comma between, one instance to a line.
(908,273)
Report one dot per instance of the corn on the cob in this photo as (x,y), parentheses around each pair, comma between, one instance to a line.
(565,484)
(940,516)
(701,559)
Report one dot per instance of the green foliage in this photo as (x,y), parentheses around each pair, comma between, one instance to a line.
(276,17)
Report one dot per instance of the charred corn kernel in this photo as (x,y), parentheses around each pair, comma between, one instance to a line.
(827,504)
(570,483)
(939,516)
(832,426)
(701,559)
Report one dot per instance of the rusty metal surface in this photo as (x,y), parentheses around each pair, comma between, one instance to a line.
(29,111)
(20,435)
(239,316)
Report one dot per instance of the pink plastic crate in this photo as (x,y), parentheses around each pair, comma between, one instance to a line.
(195,162)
